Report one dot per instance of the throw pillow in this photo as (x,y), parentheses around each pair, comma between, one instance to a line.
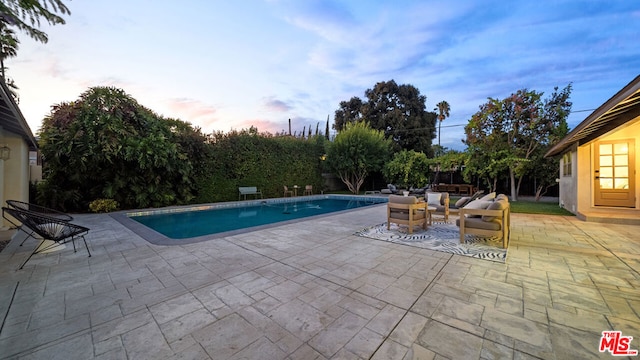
(463,200)
(477,204)
(433,199)
(488,197)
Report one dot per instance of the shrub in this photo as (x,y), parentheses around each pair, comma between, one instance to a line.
(103,205)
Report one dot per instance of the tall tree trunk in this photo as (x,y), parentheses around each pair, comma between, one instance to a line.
(512,180)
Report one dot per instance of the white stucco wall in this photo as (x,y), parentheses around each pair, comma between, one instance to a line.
(586,182)
(14,172)
(568,185)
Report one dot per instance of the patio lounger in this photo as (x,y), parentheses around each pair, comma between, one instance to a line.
(455,208)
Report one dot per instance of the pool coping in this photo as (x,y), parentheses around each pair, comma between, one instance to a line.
(156,238)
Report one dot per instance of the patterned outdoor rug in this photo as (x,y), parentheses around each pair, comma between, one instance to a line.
(439,237)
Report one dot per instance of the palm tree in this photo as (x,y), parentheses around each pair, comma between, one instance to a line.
(26,15)
(443,112)
(8,46)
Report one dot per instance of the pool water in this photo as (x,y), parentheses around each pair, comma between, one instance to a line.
(189,224)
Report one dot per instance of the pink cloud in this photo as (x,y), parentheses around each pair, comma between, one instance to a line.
(194,111)
(263,125)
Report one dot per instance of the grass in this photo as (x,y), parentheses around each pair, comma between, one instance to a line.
(532,207)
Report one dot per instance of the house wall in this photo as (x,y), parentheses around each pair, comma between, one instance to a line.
(14,172)
(586,161)
(568,184)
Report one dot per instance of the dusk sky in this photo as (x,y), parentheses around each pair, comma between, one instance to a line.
(224,65)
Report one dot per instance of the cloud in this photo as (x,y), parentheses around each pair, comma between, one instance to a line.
(273,104)
(194,111)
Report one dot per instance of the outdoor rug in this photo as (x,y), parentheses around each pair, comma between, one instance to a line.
(439,237)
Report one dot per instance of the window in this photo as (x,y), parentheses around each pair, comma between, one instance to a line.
(566,164)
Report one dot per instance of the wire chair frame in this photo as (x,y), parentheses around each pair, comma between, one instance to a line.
(49,228)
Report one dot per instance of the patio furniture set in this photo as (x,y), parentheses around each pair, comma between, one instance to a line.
(487,215)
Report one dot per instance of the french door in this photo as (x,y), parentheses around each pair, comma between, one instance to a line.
(615,173)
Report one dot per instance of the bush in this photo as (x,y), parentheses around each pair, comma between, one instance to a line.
(103,205)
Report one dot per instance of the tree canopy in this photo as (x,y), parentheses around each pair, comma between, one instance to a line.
(397,110)
(408,168)
(355,152)
(106,145)
(27,14)
(511,134)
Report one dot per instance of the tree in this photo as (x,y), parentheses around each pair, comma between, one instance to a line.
(8,46)
(26,15)
(397,110)
(349,112)
(106,145)
(408,168)
(357,151)
(443,112)
(510,132)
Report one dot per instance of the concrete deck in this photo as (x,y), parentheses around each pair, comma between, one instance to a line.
(312,290)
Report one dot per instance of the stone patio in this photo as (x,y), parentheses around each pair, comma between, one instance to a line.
(313,290)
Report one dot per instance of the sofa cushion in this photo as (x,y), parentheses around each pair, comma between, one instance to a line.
(496,205)
(502,197)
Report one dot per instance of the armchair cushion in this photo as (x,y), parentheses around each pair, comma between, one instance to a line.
(496,205)
(477,205)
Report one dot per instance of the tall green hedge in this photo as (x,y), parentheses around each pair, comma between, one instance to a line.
(247,158)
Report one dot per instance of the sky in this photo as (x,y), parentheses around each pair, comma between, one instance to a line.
(223,65)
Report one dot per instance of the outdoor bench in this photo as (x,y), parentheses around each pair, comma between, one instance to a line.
(248,190)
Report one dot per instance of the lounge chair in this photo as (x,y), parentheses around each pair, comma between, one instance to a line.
(20,205)
(439,200)
(455,208)
(49,228)
(406,210)
(487,218)
(308,190)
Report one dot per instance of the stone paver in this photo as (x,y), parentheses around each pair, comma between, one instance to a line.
(319,292)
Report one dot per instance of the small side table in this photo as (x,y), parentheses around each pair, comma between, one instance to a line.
(430,210)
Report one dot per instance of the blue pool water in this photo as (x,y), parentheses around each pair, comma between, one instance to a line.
(189,224)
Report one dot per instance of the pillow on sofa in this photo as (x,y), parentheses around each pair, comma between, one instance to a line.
(433,199)
(463,200)
(477,204)
(496,205)
(488,197)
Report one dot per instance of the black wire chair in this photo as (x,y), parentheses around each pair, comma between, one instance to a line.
(49,228)
(20,205)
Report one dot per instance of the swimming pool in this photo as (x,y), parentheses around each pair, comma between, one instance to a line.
(198,223)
